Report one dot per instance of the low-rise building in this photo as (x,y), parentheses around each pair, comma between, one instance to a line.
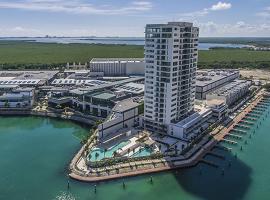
(219,109)
(124,115)
(231,92)
(210,80)
(192,125)
(18,98)
(118,66)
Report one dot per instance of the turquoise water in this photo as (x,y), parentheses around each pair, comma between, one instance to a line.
(108,154)
(35,153)
(143,152)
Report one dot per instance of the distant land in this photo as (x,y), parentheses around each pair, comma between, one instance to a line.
(256,41)
(55,52)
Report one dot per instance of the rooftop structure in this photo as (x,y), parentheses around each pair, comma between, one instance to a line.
(125,105)
(28,78)
(231,92)
(209,80)
(135,88)
(24,82)
(104,96)
(84,90)
(78,82)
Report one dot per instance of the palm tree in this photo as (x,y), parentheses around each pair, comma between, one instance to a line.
(6,104)
(128,151)
(96,156)
(175,148)
(105,150)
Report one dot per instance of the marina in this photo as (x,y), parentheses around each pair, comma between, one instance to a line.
(241,172)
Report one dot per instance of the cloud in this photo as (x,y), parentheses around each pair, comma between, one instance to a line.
(199,13)
(216,7)
(265,13)
(19,31)
(76,7)
(239,28)
(221,6)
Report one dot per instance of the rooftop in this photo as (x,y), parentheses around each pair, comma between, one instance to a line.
(231,87)
(80,91)
(105,96)
(25,75)
(206,77)
(135,88)
(108,60)
(125,105)
(183,24)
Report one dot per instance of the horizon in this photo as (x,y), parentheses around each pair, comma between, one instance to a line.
(141,37)
(111,18)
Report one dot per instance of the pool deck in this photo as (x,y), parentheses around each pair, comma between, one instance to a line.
(191,158)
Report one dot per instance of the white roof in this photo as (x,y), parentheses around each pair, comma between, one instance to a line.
(78,82)
(135,88)
(20,82)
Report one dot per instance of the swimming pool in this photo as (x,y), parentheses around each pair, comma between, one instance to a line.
(143,152)
(98,154)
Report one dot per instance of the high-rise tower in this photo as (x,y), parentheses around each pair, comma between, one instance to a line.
(171,53)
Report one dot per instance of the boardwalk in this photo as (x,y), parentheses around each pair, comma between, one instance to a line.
(191,158)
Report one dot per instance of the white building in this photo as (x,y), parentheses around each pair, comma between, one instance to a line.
(231,92)
(117,66)
(209,80)
(219,109)
(171,52)
(192,125)
(124,115)
(18,98)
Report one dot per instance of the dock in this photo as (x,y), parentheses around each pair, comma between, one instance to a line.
(243,126)
(250,118)
(253,115)
(235,136)
(228,141)
(246,122)
(239,131)
(223,148)
(189,159)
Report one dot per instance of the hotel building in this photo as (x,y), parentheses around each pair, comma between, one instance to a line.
(171,53)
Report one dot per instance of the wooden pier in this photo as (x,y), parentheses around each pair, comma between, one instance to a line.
(257,112)
(239,131)
(250,118)
(254,115)
(235,136)
(228,141)
(243,126)
(223,148)
(246,122)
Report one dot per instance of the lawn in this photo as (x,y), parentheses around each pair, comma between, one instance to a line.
(14,54)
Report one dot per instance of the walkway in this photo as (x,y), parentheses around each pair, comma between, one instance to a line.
(191,158)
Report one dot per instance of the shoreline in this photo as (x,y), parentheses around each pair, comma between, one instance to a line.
(189,160)
(50,114)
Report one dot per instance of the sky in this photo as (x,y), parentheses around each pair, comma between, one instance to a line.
(127,18)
